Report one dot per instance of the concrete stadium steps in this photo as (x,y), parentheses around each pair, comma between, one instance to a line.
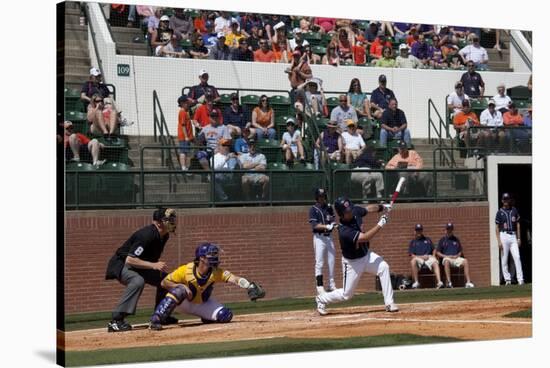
(499,61)
(77,57)
(124,40)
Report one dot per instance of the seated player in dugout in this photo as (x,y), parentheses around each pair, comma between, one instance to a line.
(190,287)
(450,251)
(422,253)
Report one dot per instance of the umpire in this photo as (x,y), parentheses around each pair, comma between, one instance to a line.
(136,262)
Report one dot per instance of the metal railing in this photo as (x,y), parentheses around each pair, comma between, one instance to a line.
(92,31)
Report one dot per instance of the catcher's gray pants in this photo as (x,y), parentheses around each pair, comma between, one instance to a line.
(135,281)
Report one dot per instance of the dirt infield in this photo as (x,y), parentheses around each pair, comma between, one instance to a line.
(472,320)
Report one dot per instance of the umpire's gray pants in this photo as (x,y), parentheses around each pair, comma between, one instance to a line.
(134,287)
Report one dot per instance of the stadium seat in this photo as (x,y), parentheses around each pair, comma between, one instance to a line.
(186,44)
(332,102)
(277,166)
(363,24)
(81,185)
(280,104)
(250,100)
(116,187)
(325,39)
(79,120)
(314,38)
(225,100)
(116,149)
(72,100)
(319,50)
(271,149)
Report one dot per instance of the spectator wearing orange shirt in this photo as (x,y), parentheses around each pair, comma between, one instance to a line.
(463,120)
(264,54)
(513,119)
(281,50)
(186,136)
(410,159)
(359,53)
(378,45)
(202,113)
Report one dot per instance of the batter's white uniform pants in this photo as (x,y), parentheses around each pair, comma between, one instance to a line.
(510,245)
(352,270)
(207,310)
(324,245)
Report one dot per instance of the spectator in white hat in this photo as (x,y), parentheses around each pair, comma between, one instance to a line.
(491,118)
(298,40)
(182,24)
(163,34)
(405,60)
(198,93)
(94,85)
(291,143)
(220,51)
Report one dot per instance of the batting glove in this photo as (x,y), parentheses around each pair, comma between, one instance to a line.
(330,226)
(383,220)
(387,207)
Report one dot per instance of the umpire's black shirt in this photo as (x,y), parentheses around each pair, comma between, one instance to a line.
(349,235)
(145,244)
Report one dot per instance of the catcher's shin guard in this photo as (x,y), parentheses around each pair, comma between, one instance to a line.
(167,305)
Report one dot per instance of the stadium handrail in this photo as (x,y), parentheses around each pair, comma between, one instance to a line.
(443,126)
(164,136)
(92,31)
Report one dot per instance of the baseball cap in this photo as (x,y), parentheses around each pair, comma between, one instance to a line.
(214,113)
(252,142)
(403,47)
(491,102)
(234,21)
(95,72)
(182,99)
(349,122)
(506,196)
(418,227)
(290,121)
(67,124)
(449,226)
(403,144)
(382,78)
(297,30)
(202,72)
(164,18)
(221,34)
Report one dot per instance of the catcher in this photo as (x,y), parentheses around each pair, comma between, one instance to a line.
(191,285)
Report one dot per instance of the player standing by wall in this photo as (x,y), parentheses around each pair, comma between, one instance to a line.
(321,218)
(356,255)
(136,263)
(508,234)
(191,285)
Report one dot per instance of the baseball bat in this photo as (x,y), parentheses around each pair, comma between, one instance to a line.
(397,190)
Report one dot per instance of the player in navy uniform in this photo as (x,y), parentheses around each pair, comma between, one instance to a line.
(449,250)
(422,253)
(356,255)
(136,263)
(508,236)
(321,218)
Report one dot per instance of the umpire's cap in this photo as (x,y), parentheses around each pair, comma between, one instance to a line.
(320,192)
(343,205)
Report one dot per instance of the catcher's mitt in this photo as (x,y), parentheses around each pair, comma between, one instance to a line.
(255,291)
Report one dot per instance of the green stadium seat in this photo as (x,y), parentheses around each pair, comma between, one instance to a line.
(306,166)
(363,24)
(314,38)
(478,105)
(271,149)
(333,165)
(280,104)
(72,100)
(186,44)
(522,104)
(81,184)
(115,150)
(194,13)
(79,120)
(319,50)
(325,40)
(116,188)
(277,166)
(281,119)
(250,100)
(332,102)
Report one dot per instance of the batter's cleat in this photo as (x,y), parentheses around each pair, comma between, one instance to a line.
(415,285)
(449,285)
(332,286)
(170,321)
(468,285)
(320,290)
(155,326)
(508,283)
(321,307)
(439,285)
(521,283)
(392,308)
(118,326)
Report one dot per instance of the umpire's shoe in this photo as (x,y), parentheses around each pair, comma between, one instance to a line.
(118,326)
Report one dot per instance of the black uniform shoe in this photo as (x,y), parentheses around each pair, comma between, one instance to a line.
(118,326)
(170,321)
(155,326)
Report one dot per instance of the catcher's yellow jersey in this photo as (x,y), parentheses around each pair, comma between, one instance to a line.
(200,285)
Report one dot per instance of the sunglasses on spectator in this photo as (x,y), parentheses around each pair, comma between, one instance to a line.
(98,100)
(263,100)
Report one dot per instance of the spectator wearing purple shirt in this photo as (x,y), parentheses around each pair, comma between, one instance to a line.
(422,51)
(401,30)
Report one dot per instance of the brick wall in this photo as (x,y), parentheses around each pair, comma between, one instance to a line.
(270,245)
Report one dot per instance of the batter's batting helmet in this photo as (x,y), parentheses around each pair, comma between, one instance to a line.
(342,205)
(320,192)
(210,251)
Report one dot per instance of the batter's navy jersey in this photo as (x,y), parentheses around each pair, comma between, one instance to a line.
(449,245)
(320,214)
(349,235)
(507,219)
(145,244)
(421,247)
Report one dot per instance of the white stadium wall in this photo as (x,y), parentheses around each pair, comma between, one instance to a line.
(413,88)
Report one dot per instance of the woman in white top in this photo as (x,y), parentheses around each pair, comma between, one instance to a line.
(292,143)
(501,99)
(353,142)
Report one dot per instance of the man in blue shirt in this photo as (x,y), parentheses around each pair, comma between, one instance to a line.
(235,116)
(422,253)
(380,97)
(394,124)
(449,250)
(508,234)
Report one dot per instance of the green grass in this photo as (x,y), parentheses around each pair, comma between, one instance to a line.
(527,313)
(239,348)
(84,321)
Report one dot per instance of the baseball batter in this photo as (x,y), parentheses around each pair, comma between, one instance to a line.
(191,285)
(321,218)
(508,234)
(356,255)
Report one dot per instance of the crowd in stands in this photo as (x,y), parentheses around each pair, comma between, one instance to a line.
(223,35)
